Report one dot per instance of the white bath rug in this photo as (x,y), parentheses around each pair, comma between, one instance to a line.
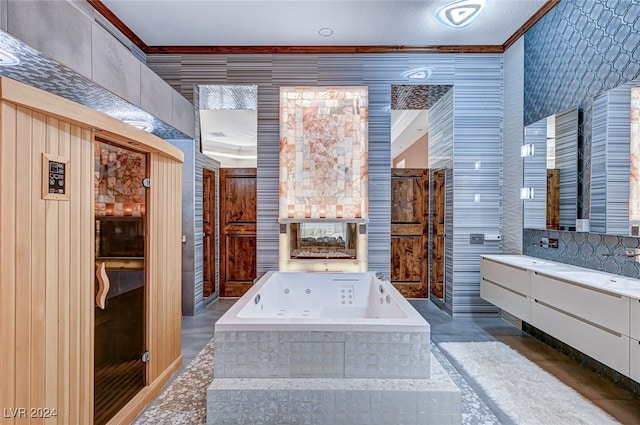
(522,390)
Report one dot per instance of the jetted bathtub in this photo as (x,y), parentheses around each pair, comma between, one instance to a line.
(322,325)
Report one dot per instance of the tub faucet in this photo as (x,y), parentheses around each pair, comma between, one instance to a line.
(381,276)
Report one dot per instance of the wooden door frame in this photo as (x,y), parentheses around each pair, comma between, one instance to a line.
(211,238)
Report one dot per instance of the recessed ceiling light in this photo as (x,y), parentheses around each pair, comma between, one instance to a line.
(461,13)
(325,32)
(421,73)
(146,126)
(8,59)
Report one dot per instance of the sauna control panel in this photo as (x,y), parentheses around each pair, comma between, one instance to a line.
(55,177)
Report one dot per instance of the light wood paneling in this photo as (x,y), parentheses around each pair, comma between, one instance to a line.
(47,264)
(165,265)
(46,291)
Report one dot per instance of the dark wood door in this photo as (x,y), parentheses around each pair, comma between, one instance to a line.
(208,231)
(409,231)
(438,234)
(238,216)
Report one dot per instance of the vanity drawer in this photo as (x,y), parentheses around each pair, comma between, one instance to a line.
(634,331)
(634,359)
(508,300)
(604,309)
(514,278)
(608,347)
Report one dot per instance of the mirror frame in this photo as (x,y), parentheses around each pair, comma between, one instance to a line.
(535,211)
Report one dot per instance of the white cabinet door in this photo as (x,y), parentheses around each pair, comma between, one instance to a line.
(514,278)
(634,331)
(604,309)
(505,298)
(605,346)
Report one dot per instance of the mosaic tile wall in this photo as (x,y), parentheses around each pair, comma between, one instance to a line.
(577,51)
(323,152)
(118,182)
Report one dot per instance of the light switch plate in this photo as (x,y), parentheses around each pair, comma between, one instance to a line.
(476,238)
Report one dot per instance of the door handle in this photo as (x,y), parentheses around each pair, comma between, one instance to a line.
(103,284)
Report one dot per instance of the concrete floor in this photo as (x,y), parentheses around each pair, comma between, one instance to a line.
(198,330)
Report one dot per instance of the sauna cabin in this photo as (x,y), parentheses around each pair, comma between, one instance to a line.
(90,262)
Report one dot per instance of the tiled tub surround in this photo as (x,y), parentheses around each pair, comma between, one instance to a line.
(340,325)
(327,348)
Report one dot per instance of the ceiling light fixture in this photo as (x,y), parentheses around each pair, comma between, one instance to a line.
(325,32)
(421,73)
(8,59)
(146,126)
(461,13)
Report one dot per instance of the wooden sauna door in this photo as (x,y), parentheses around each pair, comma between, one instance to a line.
(238,217)
(438,234)
(208,232)
(409,231)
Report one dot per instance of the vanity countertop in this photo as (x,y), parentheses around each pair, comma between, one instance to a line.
(603,281)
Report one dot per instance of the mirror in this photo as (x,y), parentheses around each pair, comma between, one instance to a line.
(550,155)
(228,121)
(615,161)
(421,150)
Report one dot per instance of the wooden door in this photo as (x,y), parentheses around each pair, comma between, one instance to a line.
(208,231)
(438,234)
(409,231)
(238,216)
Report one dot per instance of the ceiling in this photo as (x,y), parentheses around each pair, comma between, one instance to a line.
(205,25)
(301,23)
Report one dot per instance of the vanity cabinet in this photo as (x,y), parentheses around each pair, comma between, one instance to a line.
(569,303)
(507,287)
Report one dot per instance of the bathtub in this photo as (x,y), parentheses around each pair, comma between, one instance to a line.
(322,325)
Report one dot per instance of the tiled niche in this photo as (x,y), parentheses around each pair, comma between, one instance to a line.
(323,152)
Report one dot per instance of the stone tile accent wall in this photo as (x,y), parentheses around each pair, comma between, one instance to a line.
(323,152)
(118,182)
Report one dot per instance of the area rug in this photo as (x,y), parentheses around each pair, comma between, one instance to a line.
(523,391)
(183,401)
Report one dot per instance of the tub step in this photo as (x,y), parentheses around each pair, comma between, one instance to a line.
(328,401)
